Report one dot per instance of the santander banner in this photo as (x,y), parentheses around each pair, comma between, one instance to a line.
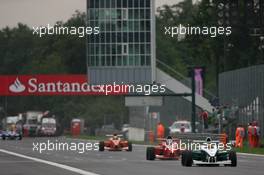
(25,85)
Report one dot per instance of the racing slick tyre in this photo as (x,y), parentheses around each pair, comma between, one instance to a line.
(20,137)
(183,157)
(233,158)
(101,146)
(150,153)
(3,137)
(129,146)
(187,158)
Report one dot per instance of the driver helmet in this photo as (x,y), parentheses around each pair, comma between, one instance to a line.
(208,139)
(115,137)
(169,140)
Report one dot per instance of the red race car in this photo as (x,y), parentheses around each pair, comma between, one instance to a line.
(115,143)
(167,149)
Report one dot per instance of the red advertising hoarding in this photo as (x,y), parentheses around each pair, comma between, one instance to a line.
(36,85)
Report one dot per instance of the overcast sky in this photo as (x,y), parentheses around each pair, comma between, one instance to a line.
(43,12)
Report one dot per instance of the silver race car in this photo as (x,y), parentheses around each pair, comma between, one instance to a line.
(209,154)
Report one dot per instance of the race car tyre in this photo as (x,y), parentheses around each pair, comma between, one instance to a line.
(187,158)
(233,158)
(183,157)
(101,146)
(3,137)
(129,146)
(150,153)
(20,137)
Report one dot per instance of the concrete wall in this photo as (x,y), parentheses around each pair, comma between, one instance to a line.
(136,134)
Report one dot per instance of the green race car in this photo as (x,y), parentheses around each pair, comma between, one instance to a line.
(208,153)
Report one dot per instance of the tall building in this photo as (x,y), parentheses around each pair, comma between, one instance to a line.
(124,50)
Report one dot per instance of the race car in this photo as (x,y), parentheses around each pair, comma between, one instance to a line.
(209,154)
(115,143)
(167,149)
(11,135)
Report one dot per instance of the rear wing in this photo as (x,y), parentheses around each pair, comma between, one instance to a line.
(164,139)
(111,135)
(204,141)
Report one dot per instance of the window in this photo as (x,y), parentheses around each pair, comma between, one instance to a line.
(113,37)
(142,49)
(125,27)
(125,37)
(119,37)
(97,4)
(131,61)
(125,3)
(102,4)
(113,61)
(131,49)
(137,60)
(108,38)
(148,37)
(108,61)
(130,26)
(136,14)
(102,49)
(92,3)
(108,49)
(147,3)
(108,4)
(147,14)
(119,49)
(119,3)
(119,25)
(124,49)
(130,14)
(142,61)
(113,49)
(113,3)
(97,60)
(124,60)
(119,14)
(148,49)
(119,61)
(102,60)
(92,61)
(136,26)
(136,2)
(137,49)
(142,14)
(130,3)
(148,61)
(130,37)
(102,37)
(124,14)
(136,35)
(142,5)
(142,26)
(148,25)
(142,37)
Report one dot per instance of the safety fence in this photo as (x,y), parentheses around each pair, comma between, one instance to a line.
(243,89)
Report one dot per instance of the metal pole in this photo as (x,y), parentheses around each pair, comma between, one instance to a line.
(193,101)
(6,105)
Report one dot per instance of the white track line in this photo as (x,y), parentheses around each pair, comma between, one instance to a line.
(248,154)
(65,167)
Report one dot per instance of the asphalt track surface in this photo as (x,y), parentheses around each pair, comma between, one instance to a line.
(105,163)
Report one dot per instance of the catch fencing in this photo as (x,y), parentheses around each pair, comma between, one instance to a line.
(243,90)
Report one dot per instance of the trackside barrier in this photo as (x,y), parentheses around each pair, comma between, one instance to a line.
(200,136)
